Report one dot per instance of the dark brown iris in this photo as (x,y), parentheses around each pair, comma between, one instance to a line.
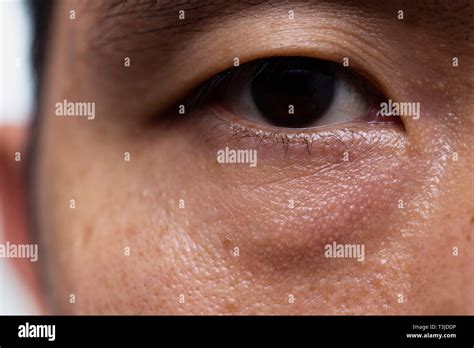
(293,92)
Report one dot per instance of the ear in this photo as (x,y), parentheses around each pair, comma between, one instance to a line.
(13,205)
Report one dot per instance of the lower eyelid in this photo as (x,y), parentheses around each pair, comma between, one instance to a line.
(329,141)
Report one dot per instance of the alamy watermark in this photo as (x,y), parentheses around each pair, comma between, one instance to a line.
(67,108)
(28,330)
(237,156)
(346,251)
(20,251)
(407,109)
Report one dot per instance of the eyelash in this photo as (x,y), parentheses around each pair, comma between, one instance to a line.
(345,136)
(240,132)
(203,93)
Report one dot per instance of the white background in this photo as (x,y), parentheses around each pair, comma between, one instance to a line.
(15,107)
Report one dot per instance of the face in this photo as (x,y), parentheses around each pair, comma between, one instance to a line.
(352,128)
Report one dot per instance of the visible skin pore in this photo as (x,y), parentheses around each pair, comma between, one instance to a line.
(427,164)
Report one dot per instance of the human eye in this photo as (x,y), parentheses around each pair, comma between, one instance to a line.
(293,93)
(291,98)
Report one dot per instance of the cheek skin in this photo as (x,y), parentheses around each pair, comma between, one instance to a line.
(294,202)
(188,251)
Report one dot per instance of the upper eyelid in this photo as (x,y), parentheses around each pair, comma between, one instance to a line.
(267,42)
(187,97)
(200,93)
(351,21)
(255,67)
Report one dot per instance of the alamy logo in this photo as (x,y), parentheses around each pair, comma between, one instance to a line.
(84,109)
(346,251)
(237,156)
(20,251)
(392,108)
(37,331)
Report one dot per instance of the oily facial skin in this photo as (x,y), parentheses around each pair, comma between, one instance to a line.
(405,192)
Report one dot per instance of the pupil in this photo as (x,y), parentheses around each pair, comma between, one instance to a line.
(305,85)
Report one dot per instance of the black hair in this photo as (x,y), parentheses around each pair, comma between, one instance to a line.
(41,16)
(41,12)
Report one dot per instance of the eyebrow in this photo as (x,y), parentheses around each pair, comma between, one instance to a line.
(147,8)
(143,7)
(197,10)
(139,25)
(451,20)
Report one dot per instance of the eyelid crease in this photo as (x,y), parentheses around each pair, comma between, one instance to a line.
(193,90)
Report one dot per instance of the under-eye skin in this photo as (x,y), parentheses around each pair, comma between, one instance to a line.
(290,98)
